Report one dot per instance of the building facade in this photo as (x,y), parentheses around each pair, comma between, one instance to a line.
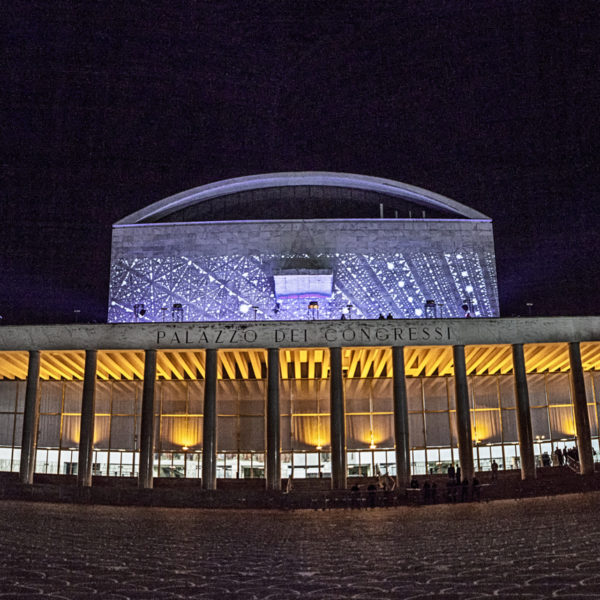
(273,399)
(247,339)
(291,246)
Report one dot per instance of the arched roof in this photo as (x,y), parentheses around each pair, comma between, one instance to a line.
(163,207)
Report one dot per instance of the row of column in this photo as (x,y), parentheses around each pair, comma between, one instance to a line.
(337,418)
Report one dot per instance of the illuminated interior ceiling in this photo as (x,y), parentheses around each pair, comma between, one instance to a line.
(420,361)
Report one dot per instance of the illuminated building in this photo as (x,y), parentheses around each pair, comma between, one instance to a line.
(264,247)
(246,359)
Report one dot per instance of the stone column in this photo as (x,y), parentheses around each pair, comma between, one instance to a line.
(463,414)
(400,418)
(209,425)
(30,419)
(523,414)
(273,475)
(88,413)
(582,419)
(337,424)
(146,474)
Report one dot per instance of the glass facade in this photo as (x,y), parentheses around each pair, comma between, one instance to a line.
(304,421)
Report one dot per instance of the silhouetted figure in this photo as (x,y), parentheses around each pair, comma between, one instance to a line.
(464,494)
(426,492)
(451,490)
(380,317)
(476,492)
(354,496)
(414,484)
(451,472)
(559,457)
(458,474)
(494,470)
(372,494)
(434,492)
(390,316)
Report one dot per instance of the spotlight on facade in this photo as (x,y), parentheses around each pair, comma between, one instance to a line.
(139,310)
(430,309)
(441,310)
(177,312)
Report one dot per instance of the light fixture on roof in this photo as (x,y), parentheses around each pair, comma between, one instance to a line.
(430,309)
(177,312)
(441,311)
(139,310)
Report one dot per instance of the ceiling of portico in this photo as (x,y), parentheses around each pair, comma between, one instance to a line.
(308,363)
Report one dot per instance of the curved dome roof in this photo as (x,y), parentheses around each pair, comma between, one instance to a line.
(159,210)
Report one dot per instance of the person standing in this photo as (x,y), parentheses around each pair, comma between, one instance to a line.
(476,490)
(464,494)
(451,472)
(494,470)
(559,457)
(458,474)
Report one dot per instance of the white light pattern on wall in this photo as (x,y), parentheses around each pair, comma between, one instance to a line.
(238,288)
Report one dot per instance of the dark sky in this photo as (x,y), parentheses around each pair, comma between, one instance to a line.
(108,107)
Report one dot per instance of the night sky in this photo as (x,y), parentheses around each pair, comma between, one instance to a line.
(108,107)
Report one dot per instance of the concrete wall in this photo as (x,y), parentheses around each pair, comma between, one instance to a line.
(331,236)
(417,332)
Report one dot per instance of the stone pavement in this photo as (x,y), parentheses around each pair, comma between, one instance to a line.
(532,549)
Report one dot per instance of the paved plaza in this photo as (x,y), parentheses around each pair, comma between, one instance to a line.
(535,549)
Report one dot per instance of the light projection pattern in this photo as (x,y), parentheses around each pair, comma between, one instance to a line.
(241,288)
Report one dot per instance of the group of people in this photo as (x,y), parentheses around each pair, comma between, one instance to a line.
(457,489)
(566,455)
(559,457)
(381,316)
